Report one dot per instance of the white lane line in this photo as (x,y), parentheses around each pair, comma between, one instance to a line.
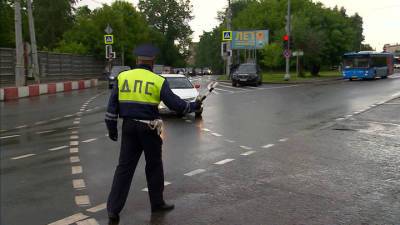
(219,89)
(89,140)
(78,183)
(10,136)
(76,169)
(90,221)
(246,147)
(215,92)
(74,132)
(3,130)
(40,122)
(74,143)
(188,121)
(229,140)
(205,129)
(248,153)
(76,122)
(288,86)
(70,220)
(58,148)
(74,159)
(216,134)
(195,172)
(348,116)
(72,128)
(166,183)
(97,208)
(339,119)
(237,88)
(89,110)
(223,161)
(22,126)
(396,94)
(57,118)
(268,146)
(45,131)
(23,156)
(74,137)
(283,140)
(82,200)
(69,115)
(73,150)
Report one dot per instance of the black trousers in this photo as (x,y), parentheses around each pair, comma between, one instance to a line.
(136,138)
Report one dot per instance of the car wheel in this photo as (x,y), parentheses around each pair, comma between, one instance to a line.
(234,83)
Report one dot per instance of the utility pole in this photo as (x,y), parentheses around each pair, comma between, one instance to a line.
(228,46)
(288,28)
(32,34)
(19,49)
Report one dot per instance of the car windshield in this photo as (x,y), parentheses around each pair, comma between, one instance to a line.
(179,83)
(247,69)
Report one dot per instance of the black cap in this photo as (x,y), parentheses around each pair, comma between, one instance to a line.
(146,50)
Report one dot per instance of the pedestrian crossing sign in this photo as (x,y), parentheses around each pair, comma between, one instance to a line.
(108,39)
(227,35)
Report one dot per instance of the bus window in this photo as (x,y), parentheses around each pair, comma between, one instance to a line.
(378,61)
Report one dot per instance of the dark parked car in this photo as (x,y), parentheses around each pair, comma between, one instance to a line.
(115,71)
(247,73)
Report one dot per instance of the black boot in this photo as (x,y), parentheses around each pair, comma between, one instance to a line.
(162,208)
(113,219)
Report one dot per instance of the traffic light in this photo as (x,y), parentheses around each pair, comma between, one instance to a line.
(286,42)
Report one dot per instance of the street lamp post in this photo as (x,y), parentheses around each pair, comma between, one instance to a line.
(287,75)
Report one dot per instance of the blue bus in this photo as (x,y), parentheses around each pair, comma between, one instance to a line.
(367,65)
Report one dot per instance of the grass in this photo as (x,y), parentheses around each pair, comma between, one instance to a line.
(278,76)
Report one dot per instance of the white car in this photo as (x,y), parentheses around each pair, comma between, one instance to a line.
(182,87)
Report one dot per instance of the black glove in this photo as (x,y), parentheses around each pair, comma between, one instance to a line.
(113,134)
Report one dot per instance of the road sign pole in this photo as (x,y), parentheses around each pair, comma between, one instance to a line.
(287,75)
(228,47)
(19,55)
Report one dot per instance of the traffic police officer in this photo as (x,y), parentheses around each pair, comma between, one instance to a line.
(136,99)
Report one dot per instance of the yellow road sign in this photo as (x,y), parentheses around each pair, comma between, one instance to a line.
(108,39)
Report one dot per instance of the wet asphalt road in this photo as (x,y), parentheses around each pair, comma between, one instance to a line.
(326,153)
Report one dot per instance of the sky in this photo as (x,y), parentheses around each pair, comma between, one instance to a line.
(381,17)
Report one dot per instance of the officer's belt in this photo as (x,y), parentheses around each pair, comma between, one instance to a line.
(153,124)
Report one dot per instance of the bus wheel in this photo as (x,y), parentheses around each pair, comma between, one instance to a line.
(383,77)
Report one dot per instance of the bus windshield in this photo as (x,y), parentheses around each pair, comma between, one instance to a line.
(356,62)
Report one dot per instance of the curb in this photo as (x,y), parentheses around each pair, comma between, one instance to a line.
(10,93)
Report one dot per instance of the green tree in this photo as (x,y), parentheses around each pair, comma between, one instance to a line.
(208,53)
(170,18)
(52,19)
(7,24)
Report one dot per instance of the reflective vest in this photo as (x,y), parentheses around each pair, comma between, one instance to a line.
(140,86)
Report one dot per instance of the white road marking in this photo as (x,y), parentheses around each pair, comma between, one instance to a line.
(283,140)
(69,115)
(238,88)
(339,119)
(216,134)
(40,122)
(188,121)
(10,136)
(166,183)
(72,128)
(246,147)
(76,169)
(288,86)
(57,118)
(76,122)
(205,129)
(74,132)
(89,110)
(396,94)
(248,153)
(82,200)
(58,148)
(229,140)
(23,156)
(268,146)
(3,130)
(348,116)
(388,103)
(22,126)
(194,172)
(74,137)
(223,161)
(90,221)
(74,143)
(89,140)
(73,150)
(215,92)
(45,131)
(70,220)
(78,183)
(219,89)
(74,159)
(97,208)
